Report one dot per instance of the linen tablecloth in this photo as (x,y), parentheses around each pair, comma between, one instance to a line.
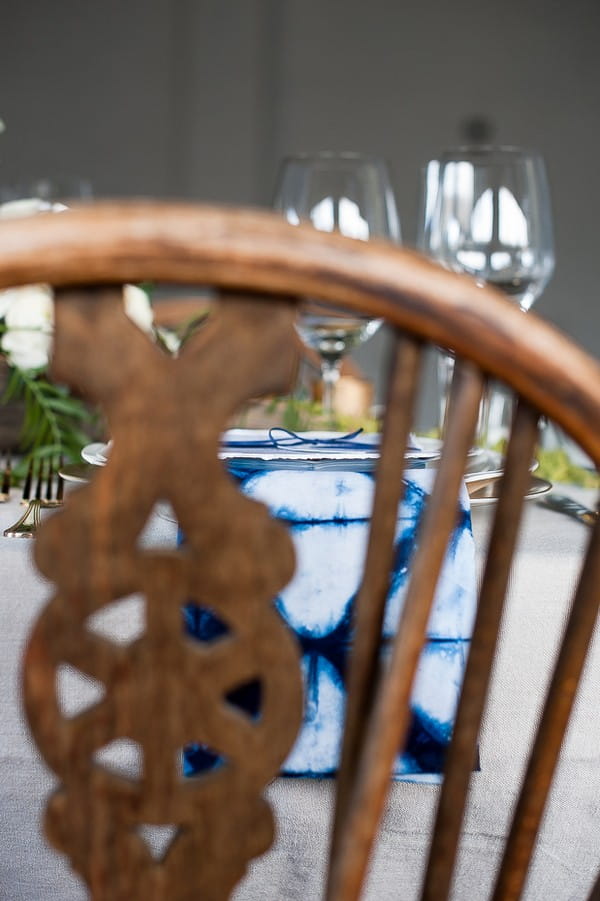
(569,850)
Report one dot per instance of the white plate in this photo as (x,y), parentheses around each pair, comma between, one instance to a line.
(489,494)
(243,444)
(95,453)
(78,473)
(261,453)
(482,465)
(488,465)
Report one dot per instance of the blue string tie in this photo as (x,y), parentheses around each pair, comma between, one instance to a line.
(281,438)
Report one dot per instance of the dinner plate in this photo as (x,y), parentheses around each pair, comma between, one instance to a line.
(78,473)
(96,453)
(279,448)
(489,492)
(279,444)
(482,464)
(81,473)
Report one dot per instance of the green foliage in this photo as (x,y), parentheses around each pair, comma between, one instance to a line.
(189,328)
(556,466)
(301,415)
(55,423)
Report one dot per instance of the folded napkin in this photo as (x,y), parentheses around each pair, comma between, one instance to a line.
(328,512)
(281,444)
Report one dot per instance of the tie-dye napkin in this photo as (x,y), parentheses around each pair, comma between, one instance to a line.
(328,515)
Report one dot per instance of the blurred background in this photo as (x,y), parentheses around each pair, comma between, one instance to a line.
(200,99)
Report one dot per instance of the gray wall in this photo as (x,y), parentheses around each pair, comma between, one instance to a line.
(201,99)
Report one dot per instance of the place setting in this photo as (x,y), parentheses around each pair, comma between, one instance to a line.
(312,459)
(482,211)
(299,452)
(254,449)
(319,478)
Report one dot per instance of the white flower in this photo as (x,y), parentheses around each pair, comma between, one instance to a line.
(28,314)
(169,339)
(137,307)
(6,298)
(27,350)
(29,318)
(30,307)
(27,206)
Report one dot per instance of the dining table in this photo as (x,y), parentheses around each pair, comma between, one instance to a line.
(568,851)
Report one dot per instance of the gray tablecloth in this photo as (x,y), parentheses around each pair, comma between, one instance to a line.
(569,849)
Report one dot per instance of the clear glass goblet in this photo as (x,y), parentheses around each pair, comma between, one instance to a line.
(39,195)
(486,211)
(352,194)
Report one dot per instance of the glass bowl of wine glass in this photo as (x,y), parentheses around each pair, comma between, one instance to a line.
(485,211)
(352,194)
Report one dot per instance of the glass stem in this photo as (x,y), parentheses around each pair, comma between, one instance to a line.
(483,421)
(330,373)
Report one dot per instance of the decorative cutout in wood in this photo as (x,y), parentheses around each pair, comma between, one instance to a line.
(163,691)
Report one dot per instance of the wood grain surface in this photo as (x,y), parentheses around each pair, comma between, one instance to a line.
(255,250)
(166,416)
(165,691)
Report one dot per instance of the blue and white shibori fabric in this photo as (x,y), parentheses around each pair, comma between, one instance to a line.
(328,513)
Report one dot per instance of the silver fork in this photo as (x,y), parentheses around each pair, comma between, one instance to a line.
(563,504)
(6,480)
(48,493)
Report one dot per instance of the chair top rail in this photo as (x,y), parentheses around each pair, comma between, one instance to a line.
(257,250)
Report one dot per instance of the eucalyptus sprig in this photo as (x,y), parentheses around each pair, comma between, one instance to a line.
(54,422)
(300,414)
(557,466)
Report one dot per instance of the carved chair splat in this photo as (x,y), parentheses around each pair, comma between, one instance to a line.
(166,418)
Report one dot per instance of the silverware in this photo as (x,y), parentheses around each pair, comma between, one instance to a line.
(560,503)
(26,493)
(48,493)
(6,480)
(28,524)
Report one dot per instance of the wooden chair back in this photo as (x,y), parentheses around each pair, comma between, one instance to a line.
(165,417)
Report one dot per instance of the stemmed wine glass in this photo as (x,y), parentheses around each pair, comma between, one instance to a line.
(48,192)
(486,212)
(43,195)
(344,192)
